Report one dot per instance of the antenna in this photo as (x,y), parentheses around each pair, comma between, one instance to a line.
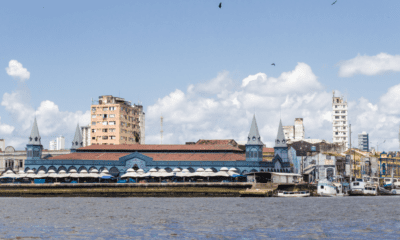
(161,131)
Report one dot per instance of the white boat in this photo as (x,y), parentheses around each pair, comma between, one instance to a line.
(327,188)
(293,194)
(359,187)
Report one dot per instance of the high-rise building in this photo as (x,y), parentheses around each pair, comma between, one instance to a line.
(295,132)
(86,135)
(60,143)
(2,145)
(339,120)
(363,142)
(116,121)
(53,145)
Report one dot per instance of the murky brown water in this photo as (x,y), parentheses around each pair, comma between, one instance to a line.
(201,218)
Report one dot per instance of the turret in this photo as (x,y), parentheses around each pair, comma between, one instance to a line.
(78,140)
(254,145)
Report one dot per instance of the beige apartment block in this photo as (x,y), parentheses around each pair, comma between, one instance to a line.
(116,121)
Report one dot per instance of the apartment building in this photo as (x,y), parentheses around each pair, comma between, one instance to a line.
(86,135)
(363,142)
(116,121)
(339,120)
(294,132)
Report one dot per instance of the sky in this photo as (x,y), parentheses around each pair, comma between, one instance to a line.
(206,70)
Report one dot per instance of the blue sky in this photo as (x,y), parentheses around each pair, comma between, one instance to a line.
(146,50)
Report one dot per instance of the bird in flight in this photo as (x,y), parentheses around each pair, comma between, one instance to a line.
(220,4)
(334,2)
(273,64)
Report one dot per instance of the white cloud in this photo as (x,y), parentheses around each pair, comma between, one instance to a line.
(16,70)
(369,65)
(226,112)
(189,116)
(51,121)
(6,129)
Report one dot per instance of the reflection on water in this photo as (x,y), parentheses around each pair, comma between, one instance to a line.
(197,218)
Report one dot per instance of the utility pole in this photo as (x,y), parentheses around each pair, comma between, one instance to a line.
(351,164)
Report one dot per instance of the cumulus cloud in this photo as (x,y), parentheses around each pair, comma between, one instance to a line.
(369,65)
(226,112)
(51,121)
(16,70)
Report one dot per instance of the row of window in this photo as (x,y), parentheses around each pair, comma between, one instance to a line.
(103,115)
(338,122)
(339,111)
(112,138)
(104,123)
(338,117)
(104,109)
(336,106)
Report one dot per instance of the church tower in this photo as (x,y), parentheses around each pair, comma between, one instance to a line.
(254,145)
(281,148)
(78,140)
(34,148)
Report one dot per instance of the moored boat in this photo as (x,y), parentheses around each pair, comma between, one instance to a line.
(293,194)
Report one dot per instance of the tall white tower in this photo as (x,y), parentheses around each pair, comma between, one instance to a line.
(340,123)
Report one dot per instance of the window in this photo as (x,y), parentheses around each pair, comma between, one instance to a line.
(105,109)
(112,108)
(336,133)
(112,115)
(93,130)
(93,123)
(105,137)
(344,122)
(93,138)
(335,106)
(104,130)
(93,109)
(20,163)
(336,111)
(343,111)
(105,123)
(94,116)
(131,139)
(112,137)
(336,117)
(112,122)
(112,129)
(122,138)
(344,138)
(344,127)
(343,116)
(104,115)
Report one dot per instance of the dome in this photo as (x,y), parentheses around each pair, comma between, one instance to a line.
(224,169)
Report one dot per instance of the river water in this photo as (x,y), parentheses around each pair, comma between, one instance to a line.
(201,218)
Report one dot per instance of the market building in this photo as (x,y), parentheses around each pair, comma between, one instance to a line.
(213,154)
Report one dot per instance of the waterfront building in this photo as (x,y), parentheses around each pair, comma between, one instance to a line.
(363,142)
(116,121)
(339,120)
(295,132)
(387,164)
(213,154)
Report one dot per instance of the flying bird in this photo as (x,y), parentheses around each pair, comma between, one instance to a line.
(334,2)
(220,4)
(273,64)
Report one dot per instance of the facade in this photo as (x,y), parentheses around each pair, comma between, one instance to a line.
(116,121)
(339,120)
(363,142)
(295,132)
(60,143)
(213,154)
(86,135)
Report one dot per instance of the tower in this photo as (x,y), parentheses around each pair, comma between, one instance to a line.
(281,148)
(78,141)
(339,121)
(254,145)
(34,147)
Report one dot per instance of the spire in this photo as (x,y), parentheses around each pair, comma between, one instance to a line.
(77,142)
(280,140)
(254,137)
(34,139)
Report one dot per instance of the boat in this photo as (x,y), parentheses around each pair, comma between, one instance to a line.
(327,189)
(361,188)
(293,194)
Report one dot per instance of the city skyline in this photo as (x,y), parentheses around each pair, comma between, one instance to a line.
(206,70)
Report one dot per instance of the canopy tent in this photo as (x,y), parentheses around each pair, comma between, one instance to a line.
(52,174)
(130,173)
(73,173)
(41,174)
(94,173)
(9,174)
